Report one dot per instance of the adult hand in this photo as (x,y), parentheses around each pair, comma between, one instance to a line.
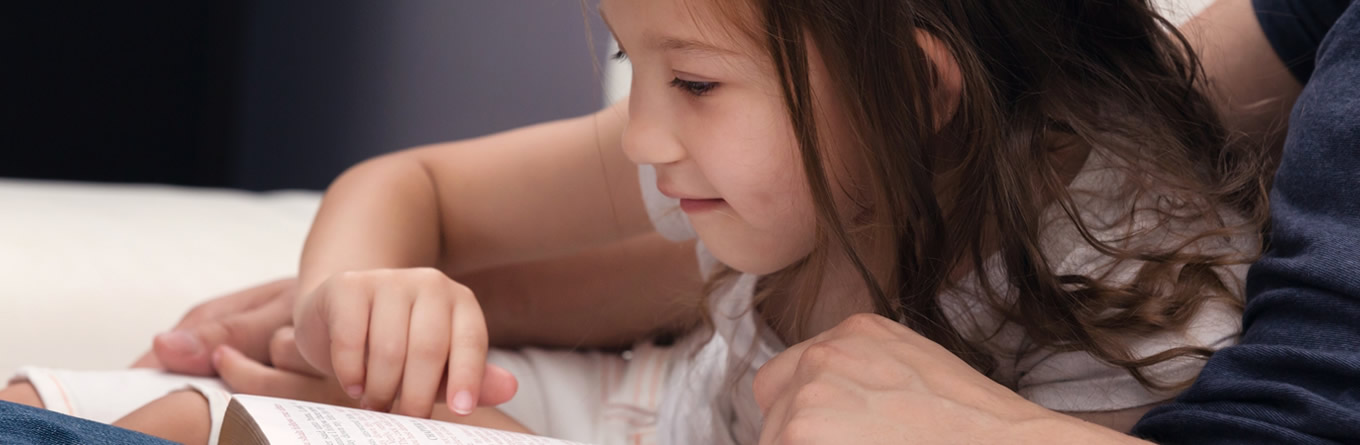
(244,320)
(871,380)
(291,377)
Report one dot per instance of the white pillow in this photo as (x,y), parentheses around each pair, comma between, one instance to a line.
(89,273)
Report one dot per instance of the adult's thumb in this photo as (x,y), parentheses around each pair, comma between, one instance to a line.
(182,351)
(189,350)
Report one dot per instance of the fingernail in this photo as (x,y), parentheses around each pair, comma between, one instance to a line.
(463,403)
(182,342)
(354,391)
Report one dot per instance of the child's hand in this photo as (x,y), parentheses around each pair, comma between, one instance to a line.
(292,378)
(385,332)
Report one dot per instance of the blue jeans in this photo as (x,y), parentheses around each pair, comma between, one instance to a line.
(21,424)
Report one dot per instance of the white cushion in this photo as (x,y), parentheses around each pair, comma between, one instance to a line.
(90,272)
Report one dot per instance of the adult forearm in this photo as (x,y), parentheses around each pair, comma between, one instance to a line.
(1065,430)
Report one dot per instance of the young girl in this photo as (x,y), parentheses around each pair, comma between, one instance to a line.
(1037,186)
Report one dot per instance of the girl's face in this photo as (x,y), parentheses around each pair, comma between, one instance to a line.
(707,111)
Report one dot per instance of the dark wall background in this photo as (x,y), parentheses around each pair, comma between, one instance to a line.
(263,94)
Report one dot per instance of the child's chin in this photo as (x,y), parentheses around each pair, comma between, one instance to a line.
(748,258)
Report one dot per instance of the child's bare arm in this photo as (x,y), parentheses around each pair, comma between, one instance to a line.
(368,282)
(529,194)
(608,296)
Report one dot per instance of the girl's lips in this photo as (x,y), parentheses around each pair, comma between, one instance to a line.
(700,205)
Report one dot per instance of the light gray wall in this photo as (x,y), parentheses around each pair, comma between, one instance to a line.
(328,84)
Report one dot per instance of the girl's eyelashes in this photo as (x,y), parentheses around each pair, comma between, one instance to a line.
(694,88)
(690,87)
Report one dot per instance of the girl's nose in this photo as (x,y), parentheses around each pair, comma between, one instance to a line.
(648,139)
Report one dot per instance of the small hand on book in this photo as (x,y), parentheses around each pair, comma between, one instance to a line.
(407,332)
(288,376)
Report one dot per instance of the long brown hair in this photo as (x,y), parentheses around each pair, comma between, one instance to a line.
(1111,74)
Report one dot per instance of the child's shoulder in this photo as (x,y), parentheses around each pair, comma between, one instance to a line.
(1114,213)
(1119,212)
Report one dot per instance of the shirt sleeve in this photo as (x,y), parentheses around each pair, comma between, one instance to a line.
(1295,28)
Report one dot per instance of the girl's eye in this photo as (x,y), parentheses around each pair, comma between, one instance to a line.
(694,88)
(620,56)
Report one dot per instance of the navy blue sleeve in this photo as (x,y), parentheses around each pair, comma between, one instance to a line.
(1295,376)
(1295,28)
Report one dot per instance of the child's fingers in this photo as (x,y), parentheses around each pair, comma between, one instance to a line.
(427,353)
(347,312)
(387,330)
(467,353)
(284,354)
(498,386)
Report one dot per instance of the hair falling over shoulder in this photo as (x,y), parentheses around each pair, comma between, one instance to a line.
(1112,74)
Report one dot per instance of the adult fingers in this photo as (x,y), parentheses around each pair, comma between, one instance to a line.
(775,417)
(188,351)
(427,354)
(774,376)
(247,376)
(235,302)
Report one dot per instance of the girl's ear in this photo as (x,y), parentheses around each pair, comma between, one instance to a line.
(949,78)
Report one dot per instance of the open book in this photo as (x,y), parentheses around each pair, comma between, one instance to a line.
(252,420)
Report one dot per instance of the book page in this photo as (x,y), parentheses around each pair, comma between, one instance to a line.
(305,423)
